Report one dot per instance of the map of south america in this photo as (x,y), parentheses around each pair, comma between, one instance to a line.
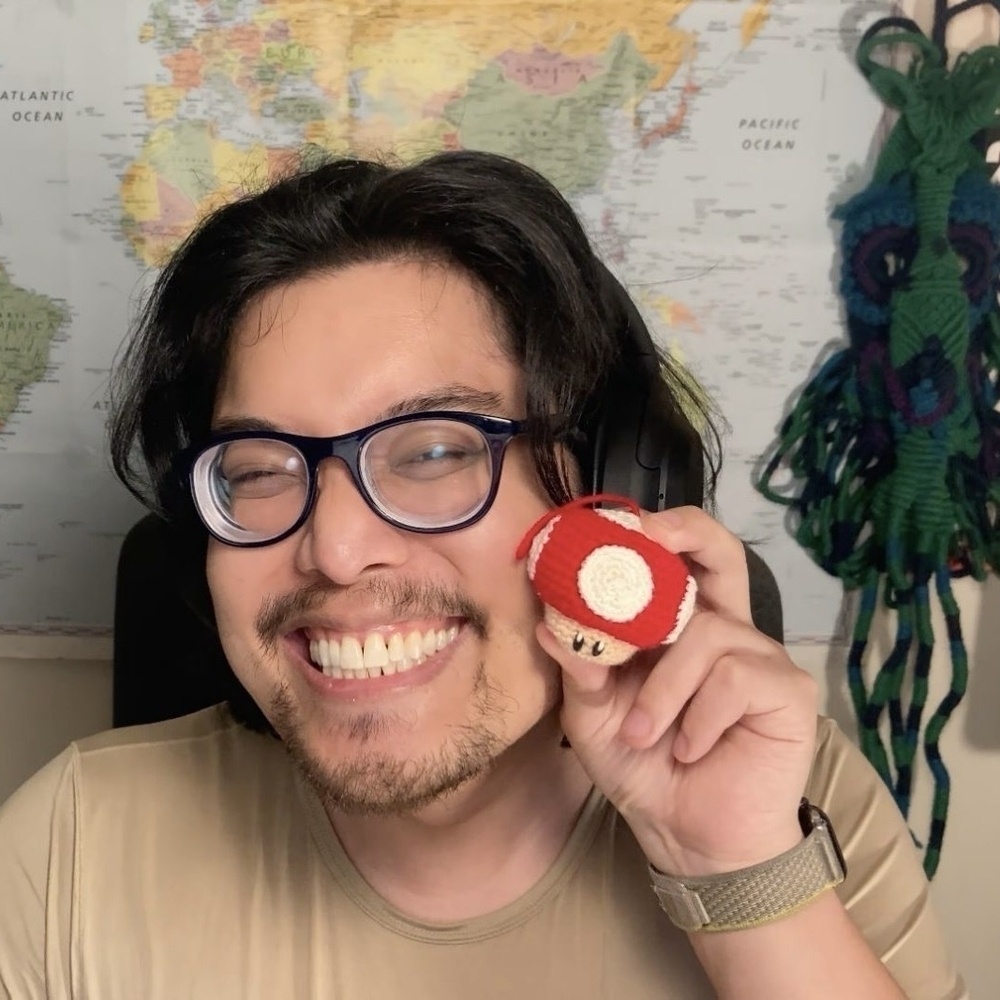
(28,324)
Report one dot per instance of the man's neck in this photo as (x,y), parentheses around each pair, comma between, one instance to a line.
(481,847)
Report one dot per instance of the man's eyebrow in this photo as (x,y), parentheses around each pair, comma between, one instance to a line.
(452,397)
(227,425)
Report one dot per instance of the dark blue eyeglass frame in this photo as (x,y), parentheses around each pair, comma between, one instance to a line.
(497,432)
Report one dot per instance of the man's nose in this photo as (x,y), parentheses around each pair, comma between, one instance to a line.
(343,538)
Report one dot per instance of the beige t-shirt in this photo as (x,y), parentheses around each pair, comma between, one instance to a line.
(188,860)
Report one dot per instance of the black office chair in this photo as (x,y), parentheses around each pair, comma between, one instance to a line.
(167,656)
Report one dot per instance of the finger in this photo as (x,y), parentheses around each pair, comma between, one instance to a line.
(760,692)
(682,670)
(717,557)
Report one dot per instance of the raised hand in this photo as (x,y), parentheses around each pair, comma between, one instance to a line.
(703,746)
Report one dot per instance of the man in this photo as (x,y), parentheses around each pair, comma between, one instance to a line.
(366,384)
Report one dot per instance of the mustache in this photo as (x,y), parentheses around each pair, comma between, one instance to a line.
(397,598)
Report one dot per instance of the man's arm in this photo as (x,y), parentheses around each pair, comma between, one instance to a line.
(885,899)
(706,749)
(34,944)
(815,952)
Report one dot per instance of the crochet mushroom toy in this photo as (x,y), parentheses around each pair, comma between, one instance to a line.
(608,589)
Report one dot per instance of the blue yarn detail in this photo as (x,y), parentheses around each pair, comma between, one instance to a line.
(923,397)
(882,219)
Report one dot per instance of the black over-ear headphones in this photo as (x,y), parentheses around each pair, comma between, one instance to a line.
(642,450)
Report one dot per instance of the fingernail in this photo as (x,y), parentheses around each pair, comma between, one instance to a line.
(636,727)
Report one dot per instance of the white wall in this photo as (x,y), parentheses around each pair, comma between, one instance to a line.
(966,888)
(52,691)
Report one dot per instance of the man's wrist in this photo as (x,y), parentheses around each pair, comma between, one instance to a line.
(760,893)
(694,864)
(666,854)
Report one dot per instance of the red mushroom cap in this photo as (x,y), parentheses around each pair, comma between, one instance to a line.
(608,575)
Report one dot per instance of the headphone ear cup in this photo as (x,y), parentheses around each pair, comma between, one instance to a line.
(643,454)
(643,446)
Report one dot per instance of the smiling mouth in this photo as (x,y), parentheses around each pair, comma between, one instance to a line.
(376,654)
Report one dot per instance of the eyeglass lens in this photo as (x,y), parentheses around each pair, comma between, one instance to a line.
(424,474)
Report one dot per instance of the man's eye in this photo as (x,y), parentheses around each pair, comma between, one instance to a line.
(438,460)
(440,453)
(261,482)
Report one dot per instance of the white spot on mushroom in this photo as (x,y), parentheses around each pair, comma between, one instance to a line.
(615,582)
(537,544)
(685,611)
(623,517)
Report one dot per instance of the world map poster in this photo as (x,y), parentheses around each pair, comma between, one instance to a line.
(703,142)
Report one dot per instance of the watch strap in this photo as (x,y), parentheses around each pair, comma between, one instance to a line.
(760,894)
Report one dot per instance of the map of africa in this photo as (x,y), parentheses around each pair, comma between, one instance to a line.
(704,144)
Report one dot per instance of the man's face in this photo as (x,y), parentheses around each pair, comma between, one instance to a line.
(322,357)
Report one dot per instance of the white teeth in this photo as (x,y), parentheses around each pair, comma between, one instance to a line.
(396,650)
(324,653)
(396,654)
(376,654)
(354,659)
(413,646)
(351,656)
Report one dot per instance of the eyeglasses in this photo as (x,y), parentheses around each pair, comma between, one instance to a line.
(427,472)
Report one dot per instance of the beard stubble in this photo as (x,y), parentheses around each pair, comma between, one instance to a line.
(373,782)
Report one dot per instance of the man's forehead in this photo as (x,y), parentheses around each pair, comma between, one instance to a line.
(404,324)
(423,291)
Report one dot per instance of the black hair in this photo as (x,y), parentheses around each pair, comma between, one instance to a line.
(493,218)
(558,310)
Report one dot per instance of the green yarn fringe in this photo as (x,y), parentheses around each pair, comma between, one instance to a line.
(894,445)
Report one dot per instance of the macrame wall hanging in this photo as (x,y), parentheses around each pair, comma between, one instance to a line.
(894,445)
